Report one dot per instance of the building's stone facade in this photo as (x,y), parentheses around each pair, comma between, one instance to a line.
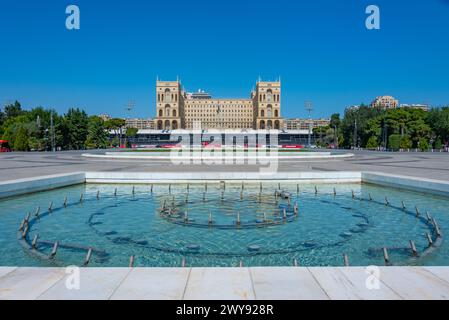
(139,123)
(169,105)
(305,124)
(176,109)
(385,102)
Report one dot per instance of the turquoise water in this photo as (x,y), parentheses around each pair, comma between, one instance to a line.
(125,224)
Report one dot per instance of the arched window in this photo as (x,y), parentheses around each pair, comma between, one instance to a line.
(276,113)
(167,124)
(167,110)
(174,125)
(167,95)
(276,125)
(159,124)
(262,124)
(161,113)
(269,111)
(174,113)
(262,113)
(269,95)
(269,124)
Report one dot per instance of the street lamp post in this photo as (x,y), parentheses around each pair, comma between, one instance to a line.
(309,107)
(129,108)
(336,136)
(52,132)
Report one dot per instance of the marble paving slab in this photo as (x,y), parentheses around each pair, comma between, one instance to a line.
(261,283)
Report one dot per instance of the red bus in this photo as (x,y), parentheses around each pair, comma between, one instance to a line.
(292,146)
(4,146)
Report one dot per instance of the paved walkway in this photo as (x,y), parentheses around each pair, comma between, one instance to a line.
(227,283)
(423,165)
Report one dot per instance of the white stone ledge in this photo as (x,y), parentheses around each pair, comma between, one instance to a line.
(200,177)
(408,183)
(239,156)
(29,185)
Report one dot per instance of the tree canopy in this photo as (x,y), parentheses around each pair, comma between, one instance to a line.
(366,127)
(75,128)
(31,129)
(399,128)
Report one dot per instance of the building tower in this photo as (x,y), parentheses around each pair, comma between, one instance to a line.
(169,105)
(267,105)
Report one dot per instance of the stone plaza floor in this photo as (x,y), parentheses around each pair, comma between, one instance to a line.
(422,165)
(289,283)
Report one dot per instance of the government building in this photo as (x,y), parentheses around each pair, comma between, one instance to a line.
(176,109)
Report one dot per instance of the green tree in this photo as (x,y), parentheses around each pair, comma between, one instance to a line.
(116,125)
(97,136)
(37,123)
(438,119)
(423,144)
(438,144)
(335,121)
(329,137)
(21,140)
(2,120)
(394,141)
(75,129)
(320,133)
(12,126)
(13,110)
(406,126)
(38,128)
(419,130)
(406,142)
(397,120)
(372,143)
(335,125)
(341,139)
(59,128)
(130,132)
(373,130)
(35,143)
(355,125)
(115,142)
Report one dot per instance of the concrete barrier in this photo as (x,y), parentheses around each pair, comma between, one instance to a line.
(201,177)
(29,185)
(407,183)
(207,156)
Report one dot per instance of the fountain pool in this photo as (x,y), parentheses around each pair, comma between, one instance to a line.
(225,224)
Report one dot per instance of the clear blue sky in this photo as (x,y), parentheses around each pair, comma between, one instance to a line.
(321,49)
